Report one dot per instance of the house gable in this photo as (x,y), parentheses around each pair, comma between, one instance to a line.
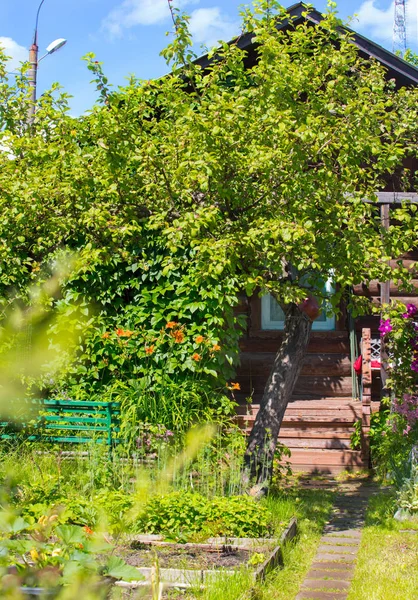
(403,72)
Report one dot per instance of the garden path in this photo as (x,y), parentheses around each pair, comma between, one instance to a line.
(333,567)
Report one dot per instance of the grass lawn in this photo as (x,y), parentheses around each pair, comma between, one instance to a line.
(313,508)
(387,566)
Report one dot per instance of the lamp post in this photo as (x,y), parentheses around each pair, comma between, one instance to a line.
(34,62)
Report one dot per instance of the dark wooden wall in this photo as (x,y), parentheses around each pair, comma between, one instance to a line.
(326,371)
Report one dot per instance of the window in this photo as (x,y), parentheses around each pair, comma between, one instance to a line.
(272,315)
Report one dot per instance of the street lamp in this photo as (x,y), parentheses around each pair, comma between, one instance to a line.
(34,62)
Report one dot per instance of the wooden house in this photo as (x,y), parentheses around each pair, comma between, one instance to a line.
(327,400)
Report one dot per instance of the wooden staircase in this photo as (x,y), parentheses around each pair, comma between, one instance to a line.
(317,432)
(320,417)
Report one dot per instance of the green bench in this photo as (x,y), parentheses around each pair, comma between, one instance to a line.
(64,421)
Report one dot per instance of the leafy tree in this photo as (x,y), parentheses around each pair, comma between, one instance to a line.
(411,57)
(259,173)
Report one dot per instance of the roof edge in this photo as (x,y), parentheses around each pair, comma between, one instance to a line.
(299,12)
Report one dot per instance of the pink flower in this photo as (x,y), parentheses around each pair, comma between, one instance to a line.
(407,408)
(406,430)
(411,311)
(385,326)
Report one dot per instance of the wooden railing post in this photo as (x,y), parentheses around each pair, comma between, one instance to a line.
(366,396)
(384,300)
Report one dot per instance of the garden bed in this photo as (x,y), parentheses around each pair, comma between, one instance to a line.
(194,565)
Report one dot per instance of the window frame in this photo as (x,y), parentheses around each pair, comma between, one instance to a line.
(268,325)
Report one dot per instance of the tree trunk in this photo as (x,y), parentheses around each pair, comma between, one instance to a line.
(277,392)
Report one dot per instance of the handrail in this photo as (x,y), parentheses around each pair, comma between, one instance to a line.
(366,395)
(355,392)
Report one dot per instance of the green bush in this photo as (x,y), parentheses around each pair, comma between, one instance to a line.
(182,514)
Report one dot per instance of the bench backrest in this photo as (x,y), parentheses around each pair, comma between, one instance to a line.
(68,421)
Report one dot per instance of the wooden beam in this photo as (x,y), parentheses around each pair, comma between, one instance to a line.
(394,198)
(385,285)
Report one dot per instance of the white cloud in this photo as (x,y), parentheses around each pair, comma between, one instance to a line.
(16,52)
(138,12)
(209,25)
(377,23)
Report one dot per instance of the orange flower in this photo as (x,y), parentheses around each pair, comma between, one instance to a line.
(105,335)
(124,332)
(171,325)
(149,350)
(196,357)
(178,336)
(216,348)
(233,386)
(88,530)
(199,339)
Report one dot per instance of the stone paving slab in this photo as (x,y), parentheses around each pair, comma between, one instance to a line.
(340,527)
(327,556)
(336,540)
(341,574)
(347,533)
(322,584)
(333,548)
(317,595)
(332,565)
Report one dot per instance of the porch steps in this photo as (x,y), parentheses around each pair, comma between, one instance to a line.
(317,432)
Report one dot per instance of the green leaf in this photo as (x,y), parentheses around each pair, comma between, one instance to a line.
(115,567)
(70,534)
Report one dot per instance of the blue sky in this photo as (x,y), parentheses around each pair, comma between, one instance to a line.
(127,35)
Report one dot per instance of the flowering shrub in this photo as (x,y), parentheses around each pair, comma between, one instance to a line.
(398,429)
(400,331)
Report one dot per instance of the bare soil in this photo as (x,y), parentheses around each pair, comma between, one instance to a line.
(175,557)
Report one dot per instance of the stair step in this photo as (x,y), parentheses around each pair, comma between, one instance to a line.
(335,404)
(316,457)
(292,433)
(353,413)
(305,419)
(306,443)
(333,418)
(306,386)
